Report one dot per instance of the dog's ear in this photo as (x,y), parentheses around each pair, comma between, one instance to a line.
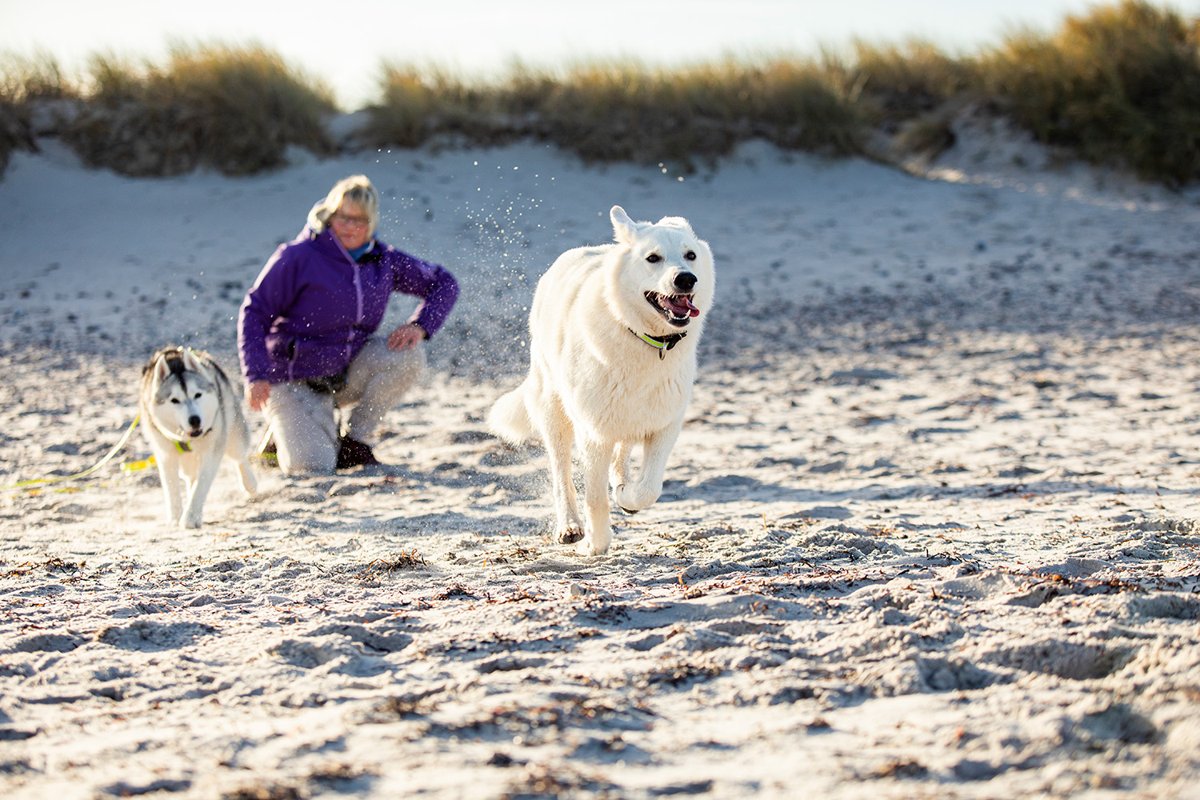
(624,229)
(161,369)
(189,360)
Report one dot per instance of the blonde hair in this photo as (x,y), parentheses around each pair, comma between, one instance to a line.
(359,190)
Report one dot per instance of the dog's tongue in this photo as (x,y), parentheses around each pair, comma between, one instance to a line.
(683,303)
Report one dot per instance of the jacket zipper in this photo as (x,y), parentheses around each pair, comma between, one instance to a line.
(359,318)
(357,292)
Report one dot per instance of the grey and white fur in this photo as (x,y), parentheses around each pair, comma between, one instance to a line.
(192,416)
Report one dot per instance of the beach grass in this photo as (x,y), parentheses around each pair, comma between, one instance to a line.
(627,112)
(25,81)
(1118,85)
(232,109)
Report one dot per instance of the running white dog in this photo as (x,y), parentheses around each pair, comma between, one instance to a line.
(192,416)
(611,367)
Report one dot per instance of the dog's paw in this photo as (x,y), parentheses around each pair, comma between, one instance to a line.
(590,547)
(570,534)
(635,498)
(190,521)
(618,490)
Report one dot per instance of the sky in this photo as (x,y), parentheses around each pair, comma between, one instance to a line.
(345,43)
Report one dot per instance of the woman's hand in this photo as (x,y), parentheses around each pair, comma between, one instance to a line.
(406,336)
(257,393)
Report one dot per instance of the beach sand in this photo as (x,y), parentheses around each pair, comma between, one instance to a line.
(930,529)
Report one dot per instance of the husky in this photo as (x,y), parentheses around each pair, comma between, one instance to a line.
(192,416)
(612,359)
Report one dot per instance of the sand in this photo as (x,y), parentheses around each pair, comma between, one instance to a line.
(930,529)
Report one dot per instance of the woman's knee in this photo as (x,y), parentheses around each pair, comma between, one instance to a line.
(396,372)
(306,460)
(407,361)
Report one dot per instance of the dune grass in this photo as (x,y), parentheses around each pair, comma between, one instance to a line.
(626,112)
(1118,85)
(24,82)
(235,110)
(39,77)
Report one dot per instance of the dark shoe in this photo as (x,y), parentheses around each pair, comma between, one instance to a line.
(353,453)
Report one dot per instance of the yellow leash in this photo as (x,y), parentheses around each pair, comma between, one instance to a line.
(34,482)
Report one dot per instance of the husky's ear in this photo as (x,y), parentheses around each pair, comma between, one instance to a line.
(624,229)
(189,360)
(161,369)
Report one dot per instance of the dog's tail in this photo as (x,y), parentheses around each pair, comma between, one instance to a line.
(509,417)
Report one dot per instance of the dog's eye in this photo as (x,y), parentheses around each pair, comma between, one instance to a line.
(654,258)
(175,400)
(197,395)
(690,255)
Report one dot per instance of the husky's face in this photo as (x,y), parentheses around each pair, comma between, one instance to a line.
(185,396)
(665,276)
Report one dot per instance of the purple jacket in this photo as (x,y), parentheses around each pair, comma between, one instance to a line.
(313,308)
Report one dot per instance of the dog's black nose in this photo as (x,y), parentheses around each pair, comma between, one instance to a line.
(685,281)
(194,421)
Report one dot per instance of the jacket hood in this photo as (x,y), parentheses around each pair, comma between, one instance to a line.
(318,217)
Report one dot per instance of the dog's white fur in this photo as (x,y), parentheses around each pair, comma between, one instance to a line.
(593,381)
(192,416)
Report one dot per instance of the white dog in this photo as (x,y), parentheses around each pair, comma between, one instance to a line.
(192,416)
(613,334)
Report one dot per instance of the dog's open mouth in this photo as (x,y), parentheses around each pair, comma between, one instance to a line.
(677,308)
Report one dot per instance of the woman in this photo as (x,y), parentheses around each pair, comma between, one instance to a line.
(306,332)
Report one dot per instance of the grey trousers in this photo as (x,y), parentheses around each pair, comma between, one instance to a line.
(305,424)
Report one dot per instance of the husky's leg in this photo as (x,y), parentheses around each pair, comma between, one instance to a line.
(558,435)
(596,459)
(644,492)
(194,513)
(238,449)
(246,473)
(168,475)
